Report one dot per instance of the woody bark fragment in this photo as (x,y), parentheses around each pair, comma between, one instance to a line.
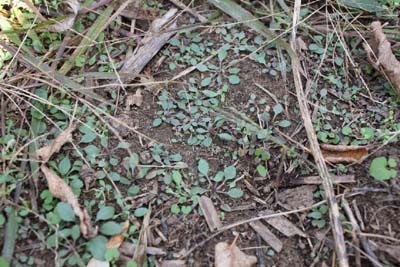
(161,30)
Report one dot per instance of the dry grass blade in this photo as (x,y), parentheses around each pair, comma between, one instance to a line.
(345,154)
(337,229)
(45,153)
(46,70)
(97,27)
(385,61)
(357,231)
(62,191)
(141,248)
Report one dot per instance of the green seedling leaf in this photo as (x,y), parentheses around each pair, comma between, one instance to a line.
(114,176)
(210,93)
(230,172)
(225,137)
(338,61)
(382,169)
(318,223)
(177,178)
(223,52)
(140,212)
(346,130)
(75,232)
(92,152)
(64,166)
(175,209)
(315,215)
(316,48)
(123,145)
(65,212)
(105,213)
(97,246)
(186,209)
(4,262)
(278,108)
(284,123)
(206,81)
(261,170)
(157,122)
(111,254)
(233,79)
(367,133)
(172,66)
(203,167)
(392,162)
(133,190)
(235,193)
(219,176)
(111,228)
(202,68)
(234,70)
(133,161)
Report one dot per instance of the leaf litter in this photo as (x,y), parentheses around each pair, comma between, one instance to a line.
(58,187)
(62,191)
(231,256)
(381,55)
(46,152)
(343,154)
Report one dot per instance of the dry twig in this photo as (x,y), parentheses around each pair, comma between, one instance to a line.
(337,229)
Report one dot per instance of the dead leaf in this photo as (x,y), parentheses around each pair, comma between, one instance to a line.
(381,56)
(62,191)
(267,235)
(74,5)
(45,153)
(116,240)
(88,175)
(283,225)
(68,22)
(209,212)
(298,197)
(140,251)
(136,99)
(231,256)
(173,263)
(301,44)
(343,154)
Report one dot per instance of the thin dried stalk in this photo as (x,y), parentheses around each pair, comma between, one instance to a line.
(337,229)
